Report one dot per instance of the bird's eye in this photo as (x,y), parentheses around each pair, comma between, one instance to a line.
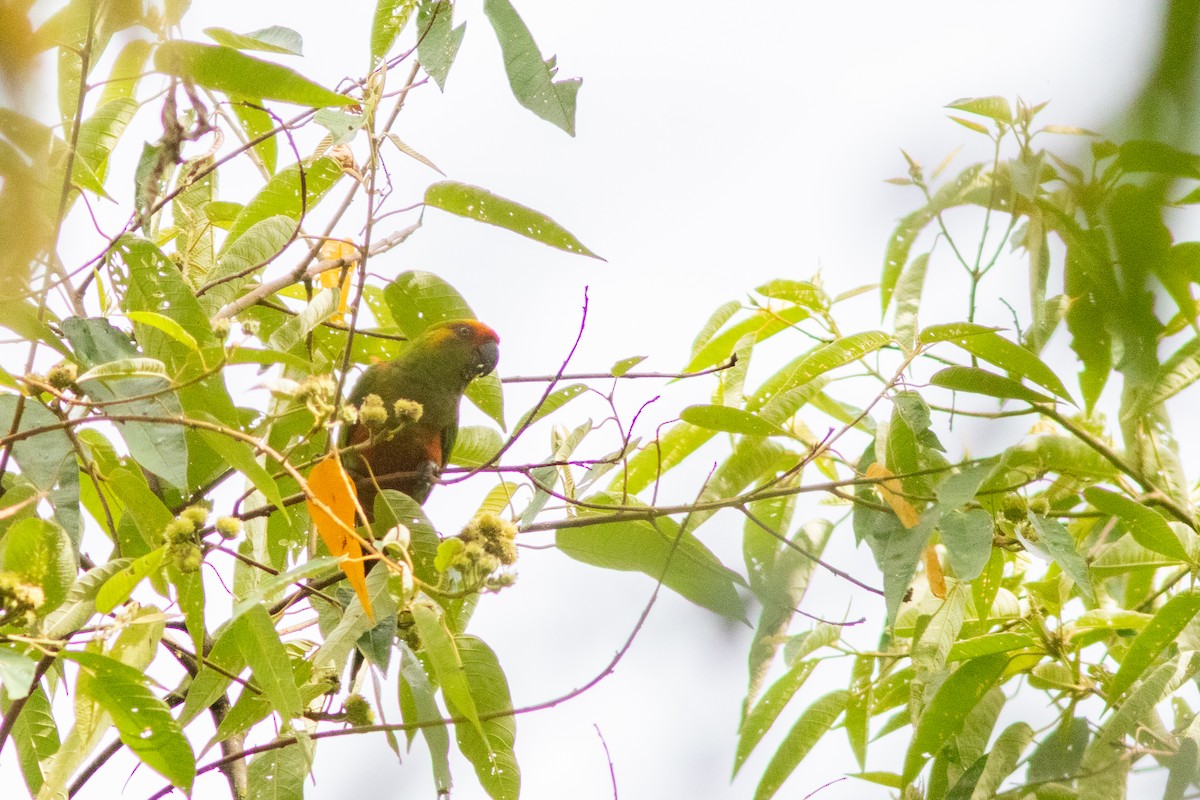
(463,331)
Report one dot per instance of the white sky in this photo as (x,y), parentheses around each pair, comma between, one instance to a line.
(716,149)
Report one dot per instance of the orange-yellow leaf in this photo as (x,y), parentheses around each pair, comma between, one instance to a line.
(890,490)
(933,572)
(331,485)
(330,250)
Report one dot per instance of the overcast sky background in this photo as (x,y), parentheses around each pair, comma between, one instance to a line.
(718,146)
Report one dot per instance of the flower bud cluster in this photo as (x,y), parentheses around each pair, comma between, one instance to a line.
(318,393)
(486,544)
(374,414)
(182,541)
(62,375)
(358,711)
(19,600)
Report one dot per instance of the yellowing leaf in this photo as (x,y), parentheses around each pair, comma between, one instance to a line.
(890,491)
(934,574)
(330,250)
(331,485)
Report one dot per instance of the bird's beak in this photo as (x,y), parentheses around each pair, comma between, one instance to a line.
(489,355)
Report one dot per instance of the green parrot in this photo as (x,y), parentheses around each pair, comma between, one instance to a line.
(434,371)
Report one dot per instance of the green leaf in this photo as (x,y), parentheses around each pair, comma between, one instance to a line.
(908,301)
(40,551)
(274,584)
(641,546)
(125,368)
(189,597)
(1001,761)
(896,548)
(1145,525)
(487,394)
(986,645)
(279,774)
(160,447)
(729,420)
(439,40)
(858,708)
(241,457)
(116,590)
(625,364)
(255,123)
(1178,372)
(837,353)
(267,658)
(888,779)
(275,39)
(99,134)
(985,343)
(1056,542)
(390,18)
(968,539)
(143,721)
(234,73)
(342,127)
(247,711)
(802,293)
(492,755)
(354,622)
(816,720)
(1099,772)
(956,192)
(1142,155)
(475,445)
(255,249)
(393,508)
(412,153)
(282,197)
(79,605)
(420,299)
(995,108)
(1168,622)
(1058,755)
(126,73)
(716,321)
(438,644)
(47,460)
(483,206)
(718,348)
(35,735)
(979,381)
(16,673)
(531,77)
(760,719)
(167,325)
(932,649)
(323,306)
(417,704)
(656,458)
(987,587)
(143,509)
(805,643)
(556,400)
(970,125)
(250,355)
(23,319)
(946,713)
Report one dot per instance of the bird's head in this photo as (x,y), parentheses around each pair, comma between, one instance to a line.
(465,342)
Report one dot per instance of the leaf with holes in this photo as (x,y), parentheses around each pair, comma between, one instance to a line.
(481,205)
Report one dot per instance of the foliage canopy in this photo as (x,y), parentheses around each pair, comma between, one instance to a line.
(1060,563)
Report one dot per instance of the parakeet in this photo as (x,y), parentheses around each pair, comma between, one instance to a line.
(433,371)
